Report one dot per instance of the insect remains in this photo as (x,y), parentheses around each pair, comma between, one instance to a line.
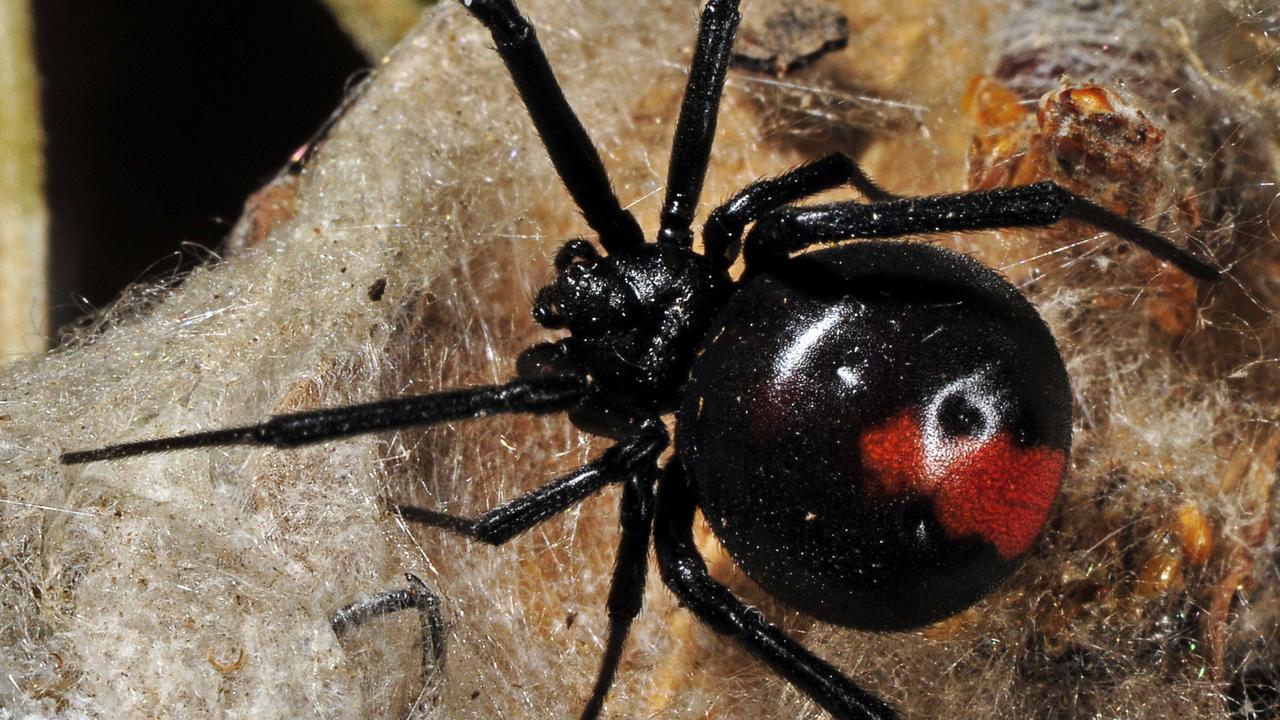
(876,431)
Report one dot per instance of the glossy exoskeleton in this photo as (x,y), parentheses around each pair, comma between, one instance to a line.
(876,431)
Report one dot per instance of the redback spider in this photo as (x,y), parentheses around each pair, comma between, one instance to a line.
(875,431)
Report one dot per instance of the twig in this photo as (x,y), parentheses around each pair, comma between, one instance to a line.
(24,220)
(376,25)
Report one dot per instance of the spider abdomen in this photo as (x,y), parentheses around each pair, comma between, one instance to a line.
(877,432)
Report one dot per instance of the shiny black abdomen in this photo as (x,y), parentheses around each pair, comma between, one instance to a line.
(876,431)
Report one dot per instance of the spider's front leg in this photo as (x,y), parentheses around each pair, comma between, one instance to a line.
(685,572)
(696,125)
(568,145)
(540,395)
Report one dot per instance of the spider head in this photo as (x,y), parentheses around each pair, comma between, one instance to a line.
(635,318)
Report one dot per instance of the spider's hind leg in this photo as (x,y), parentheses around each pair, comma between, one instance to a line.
(791,229)
(725,224)
(696,126)
(685,572)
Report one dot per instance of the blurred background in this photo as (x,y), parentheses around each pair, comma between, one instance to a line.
(1159,587)
(131,134)
(161,118)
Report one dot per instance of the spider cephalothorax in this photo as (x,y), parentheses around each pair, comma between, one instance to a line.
(635,318)
(876,431)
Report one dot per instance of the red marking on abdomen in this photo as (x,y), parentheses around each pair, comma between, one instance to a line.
(993,489)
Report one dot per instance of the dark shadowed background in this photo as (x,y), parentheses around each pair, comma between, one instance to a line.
(160,118)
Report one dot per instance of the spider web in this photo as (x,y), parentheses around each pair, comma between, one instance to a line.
(200,584)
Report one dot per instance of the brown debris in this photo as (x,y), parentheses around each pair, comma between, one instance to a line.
(271,206)
(1092,141)
(792,36)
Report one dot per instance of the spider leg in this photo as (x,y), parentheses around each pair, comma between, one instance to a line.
(572,153)
(790,229)
(497,526)
(626,591)
(633,462)
(533,395)
(696,127)
(685,572)
(417,596)
(725,224)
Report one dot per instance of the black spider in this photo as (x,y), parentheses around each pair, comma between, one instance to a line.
(875,431)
